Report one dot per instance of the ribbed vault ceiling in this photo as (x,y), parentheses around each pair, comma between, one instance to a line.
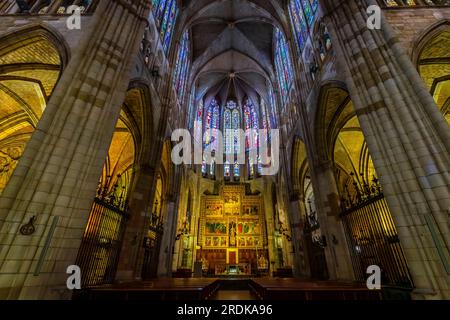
(232,46)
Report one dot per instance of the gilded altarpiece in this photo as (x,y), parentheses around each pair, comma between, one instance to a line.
(232,228)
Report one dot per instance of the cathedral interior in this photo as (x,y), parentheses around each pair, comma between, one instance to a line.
(324,149)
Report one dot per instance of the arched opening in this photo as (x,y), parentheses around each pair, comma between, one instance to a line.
(99,252)
(155,226)
(433,63)
(312,232)
(303,187)
(30,67)
(369,227)
(153,236)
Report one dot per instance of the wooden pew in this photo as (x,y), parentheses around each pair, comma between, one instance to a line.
(157,290)
(295,289)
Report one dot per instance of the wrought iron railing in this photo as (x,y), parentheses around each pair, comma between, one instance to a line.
(372,235)
(98,255)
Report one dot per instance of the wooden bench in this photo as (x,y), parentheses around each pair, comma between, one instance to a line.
(157,290)
(294,289)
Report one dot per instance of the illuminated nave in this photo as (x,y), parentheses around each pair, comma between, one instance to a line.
(250,149)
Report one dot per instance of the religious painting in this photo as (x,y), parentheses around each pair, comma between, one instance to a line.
(248,228)
(217,242)
(216,228)
(251,210)
(240,226)
(231,199)
(213,209)
(232,211)
(232,233)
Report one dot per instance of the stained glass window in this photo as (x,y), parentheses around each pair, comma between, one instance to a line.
(165,13)
(198,124)
(212,122)
(204,167)
(264,115)
(227,170)
(299,23)
(250,116)
(314,5)
(303,13)
(251,122)
(227,127)
(232,123)
(212,168)
(272,101)
(260,166)
(309,16)
(236,170)
(283,65)
(182,67)
(191,114)
(236,126)
(227,119)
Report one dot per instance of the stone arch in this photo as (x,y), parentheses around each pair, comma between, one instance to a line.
(23,36)
(331,109)
(32,60)
(426,36)
(299,158)
(432,60)
(138,102)
(339,137)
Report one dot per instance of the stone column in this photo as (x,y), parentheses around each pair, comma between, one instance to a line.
(298,213)
(168,238)
(327,202)
(270,225)
(57,177)
(132,252)
(407,137)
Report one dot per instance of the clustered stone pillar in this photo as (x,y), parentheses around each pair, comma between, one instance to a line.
(57,177)
(407,137)
(132,253)
(298,214)
(327,200)
(168,238)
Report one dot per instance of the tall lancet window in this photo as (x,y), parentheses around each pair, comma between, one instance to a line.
(251,121)
(231,125)
(198,123)
(182,67)
(267,124)
(272,107)
(211,125)
(236,120)
(283,65)
(303,13)
(227,129)
(165,13)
